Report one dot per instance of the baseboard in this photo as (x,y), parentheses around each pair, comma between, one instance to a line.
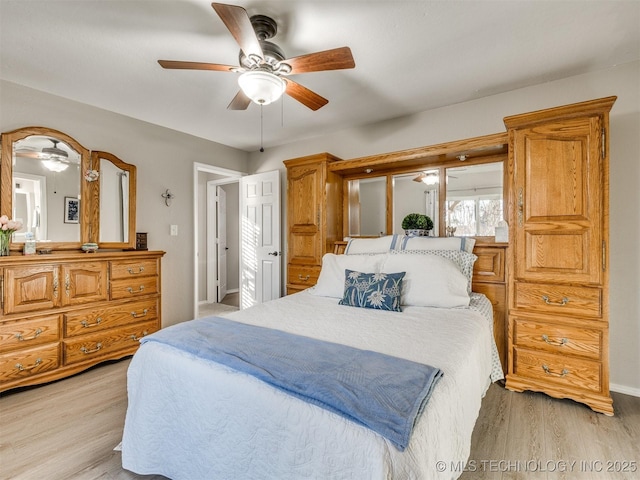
(233,290)
(635,392)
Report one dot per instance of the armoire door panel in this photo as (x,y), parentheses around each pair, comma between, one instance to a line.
(560,194)
(557,253)
(304,196)
(558,202)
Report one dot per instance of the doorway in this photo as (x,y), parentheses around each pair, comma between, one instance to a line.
(207,226)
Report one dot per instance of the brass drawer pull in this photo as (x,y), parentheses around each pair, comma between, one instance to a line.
(85,350)
(135,337)
(140,289)
(26,369)
(86,324)
(304,279)
(564,372)
(563,341)
(139,315)
(562,303)
(132,272)
(24,339)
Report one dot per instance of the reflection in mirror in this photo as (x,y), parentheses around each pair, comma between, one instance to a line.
(45,171)
(416,193)
(114,203)
(367,206)
(116,200)
(475,199)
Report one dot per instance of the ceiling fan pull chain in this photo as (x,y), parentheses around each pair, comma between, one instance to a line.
(261,130)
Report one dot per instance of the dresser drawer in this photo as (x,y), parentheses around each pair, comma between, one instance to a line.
(86,321)
(133,268)
(559,299)
(564,371)
(27,362)
(28,333)
(558,338)
(133,287)
(303,275)
(124,340)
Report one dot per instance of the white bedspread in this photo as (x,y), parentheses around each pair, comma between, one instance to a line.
(193,419)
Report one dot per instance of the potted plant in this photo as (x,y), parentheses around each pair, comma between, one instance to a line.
(417,224)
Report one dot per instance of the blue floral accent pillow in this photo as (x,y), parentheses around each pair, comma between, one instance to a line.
(372,290)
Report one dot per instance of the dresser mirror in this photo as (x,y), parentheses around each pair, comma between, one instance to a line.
(42,186)
(116,201)
(44,183)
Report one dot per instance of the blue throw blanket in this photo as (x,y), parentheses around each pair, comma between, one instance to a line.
(384,393)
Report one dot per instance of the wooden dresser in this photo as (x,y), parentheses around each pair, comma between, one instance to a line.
(314,217)
(558,269)
(65,312)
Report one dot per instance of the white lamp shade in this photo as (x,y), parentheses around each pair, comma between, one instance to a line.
(262,87)
(55,165)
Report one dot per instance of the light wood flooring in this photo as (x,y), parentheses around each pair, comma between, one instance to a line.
(68,429)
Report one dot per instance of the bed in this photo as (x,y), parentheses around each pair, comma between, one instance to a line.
(193,418)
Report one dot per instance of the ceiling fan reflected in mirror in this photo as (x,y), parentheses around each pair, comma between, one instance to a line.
(263,66)
(52,157)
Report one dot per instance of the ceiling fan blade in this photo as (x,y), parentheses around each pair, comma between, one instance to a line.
(305,96)
(175,64)
(238,23)
(335,59)
(239,102)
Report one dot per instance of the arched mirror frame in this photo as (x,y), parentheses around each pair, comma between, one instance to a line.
(96,157)
(6,183)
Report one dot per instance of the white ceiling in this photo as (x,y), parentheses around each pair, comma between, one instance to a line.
(410,56)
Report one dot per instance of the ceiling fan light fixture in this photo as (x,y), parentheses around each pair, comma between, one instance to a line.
(430,178)
(262,87)
(55,165)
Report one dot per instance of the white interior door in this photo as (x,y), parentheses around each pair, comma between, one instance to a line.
(212,250)
(222,243)
(260,251)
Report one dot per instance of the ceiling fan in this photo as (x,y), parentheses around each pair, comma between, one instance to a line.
(45,153)
(263,66)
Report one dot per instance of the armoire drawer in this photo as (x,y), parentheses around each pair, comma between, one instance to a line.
(27,362)
(124,340)
(559,299)
(558,338)
(133,287)
(81,322)
(560,370)
(29,333)
(133,268)
(303,275)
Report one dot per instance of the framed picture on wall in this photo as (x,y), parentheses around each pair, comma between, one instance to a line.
(71,210)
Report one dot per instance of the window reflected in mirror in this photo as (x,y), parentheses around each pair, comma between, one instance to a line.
(367,207)
(416,192)
(474,205)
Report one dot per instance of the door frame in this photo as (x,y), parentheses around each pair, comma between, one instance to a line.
(232,176)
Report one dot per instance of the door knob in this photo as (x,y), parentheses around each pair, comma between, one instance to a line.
(275,254)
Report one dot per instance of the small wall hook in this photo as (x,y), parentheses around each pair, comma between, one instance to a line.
(168,196)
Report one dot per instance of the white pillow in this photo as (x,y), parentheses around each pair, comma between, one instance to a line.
(438,243)
(331,279)
(359,246)
(430,280)
(464,260)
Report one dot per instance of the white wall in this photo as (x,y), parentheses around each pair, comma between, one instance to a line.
(484,116)
(164,159)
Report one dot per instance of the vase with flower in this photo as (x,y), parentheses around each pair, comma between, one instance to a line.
(7,227)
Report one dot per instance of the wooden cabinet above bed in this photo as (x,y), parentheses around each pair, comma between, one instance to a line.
(65,312)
